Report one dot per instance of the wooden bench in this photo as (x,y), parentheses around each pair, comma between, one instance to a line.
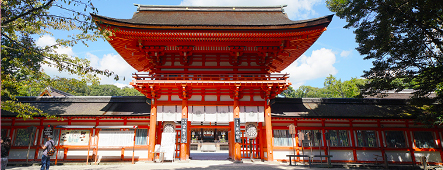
(298,156)
(324,156)
(310,158)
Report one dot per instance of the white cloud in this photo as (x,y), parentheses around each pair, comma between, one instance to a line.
(47,40)
(109,62)
(345,53)
(112,62)
(297,9)
(121,85)
(319,64)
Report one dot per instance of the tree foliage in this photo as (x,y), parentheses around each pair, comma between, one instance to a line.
(75,87)
(24,20)
(404,40)
(333,89)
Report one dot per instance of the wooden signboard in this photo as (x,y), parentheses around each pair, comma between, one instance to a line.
(48,131)
(184,130)
(237,130)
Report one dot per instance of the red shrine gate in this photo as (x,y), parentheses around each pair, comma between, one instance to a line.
(215,61)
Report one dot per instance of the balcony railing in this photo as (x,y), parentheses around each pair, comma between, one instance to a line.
(212,77)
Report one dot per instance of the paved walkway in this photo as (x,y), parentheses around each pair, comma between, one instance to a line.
(221,155)
(191,165)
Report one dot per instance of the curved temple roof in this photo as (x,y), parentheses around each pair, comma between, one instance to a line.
(256,28)
(211,16)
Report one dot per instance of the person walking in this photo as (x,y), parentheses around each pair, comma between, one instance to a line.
(6,145)
(46,159)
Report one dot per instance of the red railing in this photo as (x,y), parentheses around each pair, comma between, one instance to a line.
(212,77)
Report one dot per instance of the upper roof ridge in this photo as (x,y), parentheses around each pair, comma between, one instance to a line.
(277,8)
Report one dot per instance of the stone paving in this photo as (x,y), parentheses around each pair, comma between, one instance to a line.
(200,161)
(191,165)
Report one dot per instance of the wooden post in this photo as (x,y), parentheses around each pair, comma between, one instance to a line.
(89,147)
(237,146)
(183,146)
(133,146)
(152,127)
(59,137)
(268,125)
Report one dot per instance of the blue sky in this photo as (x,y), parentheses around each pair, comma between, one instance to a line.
(333,53)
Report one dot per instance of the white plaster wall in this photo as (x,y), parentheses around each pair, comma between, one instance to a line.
(197,117)
(225,64)
(226,98)
(398,156)
(431,156)
(368,155)
(342,155)
(211,64)
(245,98)
(224,114)
(179,113)
(252,114)
(175,98)
(258,98)
(21,153)
(137,153)
(79,154)
(163,98)
(210,117)
(167,63)
(195,98)
(281,154)
(109,154)
(261,111)
(211,98)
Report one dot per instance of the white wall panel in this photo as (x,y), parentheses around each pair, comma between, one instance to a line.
(398,156)
(195,98)
(198,113)
(21,153)
(226,98)
(258,98)
(79,154)
(431,156)
(368,155)
(211,98)
(343,155)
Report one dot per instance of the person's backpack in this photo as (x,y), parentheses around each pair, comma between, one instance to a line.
(52,150)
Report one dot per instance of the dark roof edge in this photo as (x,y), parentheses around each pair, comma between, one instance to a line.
(81,99)
(209,8)
(342,100)
(326,23)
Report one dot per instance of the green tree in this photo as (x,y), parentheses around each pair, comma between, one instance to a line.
(347,89)
(129,91)
(289,92)
(309,92)
(403,38)
(22,20)
(333,89)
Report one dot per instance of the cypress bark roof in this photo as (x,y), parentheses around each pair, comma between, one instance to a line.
(343,108)
(281,107)
(213,16)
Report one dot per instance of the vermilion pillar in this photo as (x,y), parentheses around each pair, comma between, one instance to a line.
(237,146)
(268,126)
(152,128)
(184,146)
